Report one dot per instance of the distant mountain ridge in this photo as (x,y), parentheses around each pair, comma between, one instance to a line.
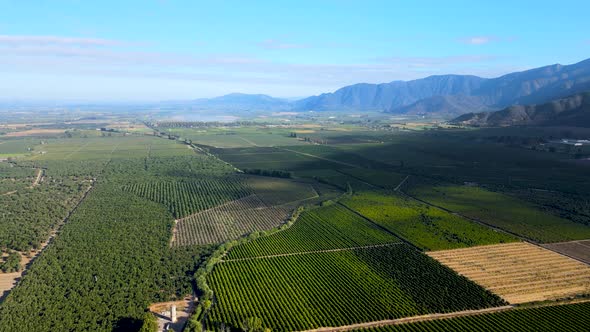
(236,102)
(388,96)
(457,94)
(570,111)
(442,95)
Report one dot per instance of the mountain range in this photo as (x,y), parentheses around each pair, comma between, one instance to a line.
(570,111)
(446,96)
(457,94)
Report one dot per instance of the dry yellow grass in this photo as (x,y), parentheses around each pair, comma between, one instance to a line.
(519,272)
(35,132)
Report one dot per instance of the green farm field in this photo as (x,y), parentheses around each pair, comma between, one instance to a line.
(169,216)
(323,228)
(503,211)
(426,227)
(568,317)
(387,282)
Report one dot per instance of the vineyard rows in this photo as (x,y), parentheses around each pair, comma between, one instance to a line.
(572,317)
(228,221)
(328,227)
(185,198)
(519,272)
(339,288)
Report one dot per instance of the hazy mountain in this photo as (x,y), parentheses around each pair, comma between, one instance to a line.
(388,96)
(468,93)
(446,106)
(235,102)
(571,111)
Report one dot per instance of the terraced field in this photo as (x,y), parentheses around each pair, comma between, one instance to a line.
(228,221)
(519,272)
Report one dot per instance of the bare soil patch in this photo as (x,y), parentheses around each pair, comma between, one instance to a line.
(184,308)
(579,250)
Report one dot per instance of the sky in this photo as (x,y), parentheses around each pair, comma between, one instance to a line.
(175,50)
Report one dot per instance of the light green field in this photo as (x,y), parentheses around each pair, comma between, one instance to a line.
(426,227)
(504,211)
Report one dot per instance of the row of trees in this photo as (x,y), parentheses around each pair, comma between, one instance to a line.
(108,263)
(268,172)
(328,227)
(572,317)
(229,221)
(11,263)
(185,198)
(29,214)
(305,291)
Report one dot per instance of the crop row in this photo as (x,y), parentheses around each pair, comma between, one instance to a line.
(185,198)
(29,214)
(573,317)
(338,288)
(327,227)
(228,221)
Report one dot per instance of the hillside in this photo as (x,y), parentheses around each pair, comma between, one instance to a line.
(388,96)
(424,95)
(445,106)
(571,111)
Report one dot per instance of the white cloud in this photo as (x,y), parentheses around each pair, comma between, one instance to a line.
(92,59)
(478,40)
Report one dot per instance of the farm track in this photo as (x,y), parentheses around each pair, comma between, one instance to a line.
(433,317)
(413,319)
(16,276)
(247,141)
(40,172)
(477,221)
(381,227)
(77,150)
(321,158)
(312,252)
(360,180)
(401,183)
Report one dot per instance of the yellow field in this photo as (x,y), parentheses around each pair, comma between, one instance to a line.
(35,132)
(519,272)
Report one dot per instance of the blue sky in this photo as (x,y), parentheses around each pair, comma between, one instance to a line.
(160,50)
